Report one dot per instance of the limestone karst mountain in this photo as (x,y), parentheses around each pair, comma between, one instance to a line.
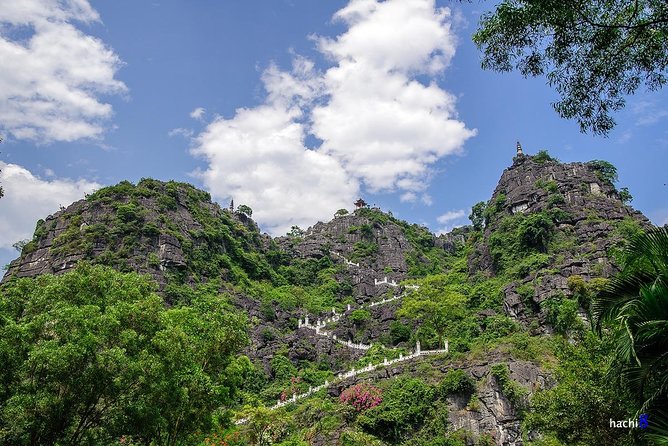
(365,288)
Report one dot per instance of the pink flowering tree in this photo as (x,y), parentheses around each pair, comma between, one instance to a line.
(362,396)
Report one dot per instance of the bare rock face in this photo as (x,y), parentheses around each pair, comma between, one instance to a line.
(340,236)
(590,219)
(493,414)
(129,231)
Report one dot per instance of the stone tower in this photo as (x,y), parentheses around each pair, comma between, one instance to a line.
(519,149)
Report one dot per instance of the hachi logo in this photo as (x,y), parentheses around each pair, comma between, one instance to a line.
(641,423)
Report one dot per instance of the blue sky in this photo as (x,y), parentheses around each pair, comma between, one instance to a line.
(293,107)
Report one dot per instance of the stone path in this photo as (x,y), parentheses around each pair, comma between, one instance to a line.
(320,324)
(352,373)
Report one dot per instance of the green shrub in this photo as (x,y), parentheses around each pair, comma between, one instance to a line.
(128,213)
(515,393)
(268,335)
(555,199)
(625,195)
(167,203)
(403,410)
(268,311)
(151,229)
(366,231)
(542,157)
(477,215)
(547,185)
(362,250)
(281,368)
(153,260)
(494,207)
(399,332)
(604,170)
(536,230)
(359,316)
(562,313)
(456,382)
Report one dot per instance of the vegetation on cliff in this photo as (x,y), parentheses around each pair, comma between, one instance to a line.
(175,363)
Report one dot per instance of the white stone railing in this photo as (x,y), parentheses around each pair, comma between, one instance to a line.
(384,301)
(352,373)
(318,328)
(385,282)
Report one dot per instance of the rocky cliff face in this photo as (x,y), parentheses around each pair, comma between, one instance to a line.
(589,222)
(371,245)
(153,228)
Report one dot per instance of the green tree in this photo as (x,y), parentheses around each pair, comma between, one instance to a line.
(634,307)
(437,308)
(246,210)
(477,215)
(296,231)
(341,212)
(625,195)
(404,408)
(594,53)
(585,395)
(93,355)
(20,244)
(543,156)
(605,171)
(536,230)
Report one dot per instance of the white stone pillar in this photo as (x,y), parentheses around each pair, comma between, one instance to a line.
(348,307)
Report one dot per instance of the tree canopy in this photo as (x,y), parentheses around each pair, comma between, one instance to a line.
(594,53)
(94,356)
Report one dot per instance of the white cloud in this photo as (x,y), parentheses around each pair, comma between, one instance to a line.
(258,158)
(624,137)
(198,113)
(408,197)
(451,215)
(386,127)
(648,112)
(451,220)
(379,125)
(186,133)
(29,198)
(52,80)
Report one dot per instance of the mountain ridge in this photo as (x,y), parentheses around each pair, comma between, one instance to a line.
(496,290)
